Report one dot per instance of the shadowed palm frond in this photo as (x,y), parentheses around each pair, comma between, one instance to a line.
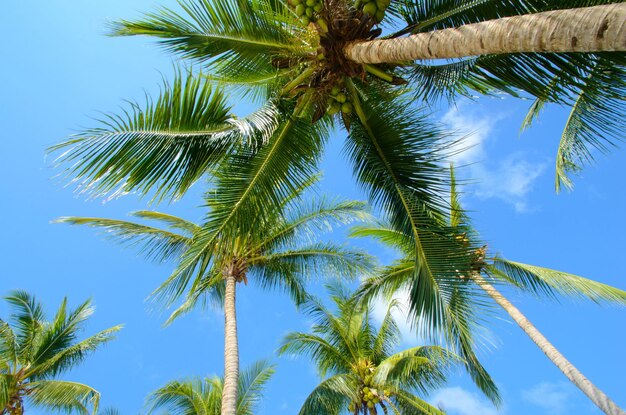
(243,34)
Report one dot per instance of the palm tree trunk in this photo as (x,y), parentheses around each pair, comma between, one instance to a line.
(231,349)
(598,397)
(588,29)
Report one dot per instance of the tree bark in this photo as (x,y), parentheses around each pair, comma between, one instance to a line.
(598,397)
(231,349)
(587,29)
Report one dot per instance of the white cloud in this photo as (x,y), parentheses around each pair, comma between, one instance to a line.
(553,397)
(510,179)
(458,401)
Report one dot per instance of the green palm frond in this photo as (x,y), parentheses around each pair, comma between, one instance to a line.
(65,396)
(329,397)
(9,346)
(422,16)
(252,381)
(596,120)
(544,281)
(188,397)
(28,319)
(327,356)
(409,404)
(243,33)
(248,186)
(71,355)
(388,335)
(167,144)
(174,222)
(203,396)
(154,243)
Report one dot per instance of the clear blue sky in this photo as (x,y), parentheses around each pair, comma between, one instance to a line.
(59,70)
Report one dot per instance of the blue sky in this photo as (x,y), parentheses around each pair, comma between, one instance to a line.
(60,70)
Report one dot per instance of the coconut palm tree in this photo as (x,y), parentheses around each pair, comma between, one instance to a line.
(486,273)
(273,242)
(292,56)
(204,396)
(361,370)
(34,352)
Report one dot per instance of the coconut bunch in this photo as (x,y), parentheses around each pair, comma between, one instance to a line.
(339,100)
(374,8)
(309,11)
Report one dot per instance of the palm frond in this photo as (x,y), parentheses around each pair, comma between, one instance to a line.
(157,244)
(248,186)
(409,404)
(64,396)
(252,381)
(166,145)
(544,281)
(247,32)
(28,319)
(388,335)
(327,357)
(596,120)
(188,397)
(329,397)
(8,346)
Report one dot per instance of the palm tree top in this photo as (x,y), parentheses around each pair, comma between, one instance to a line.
(360,364)
(197,396)
(35,351)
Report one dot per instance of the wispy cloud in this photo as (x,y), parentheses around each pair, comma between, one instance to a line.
(458,401)
(510,179)
(553,397)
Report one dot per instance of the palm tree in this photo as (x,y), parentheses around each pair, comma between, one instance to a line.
(357,361)
(483,274)
(34,352)
(275,244)
(204,396)
(291,55)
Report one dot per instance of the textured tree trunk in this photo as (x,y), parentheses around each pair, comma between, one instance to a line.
(231,349)
(598,397)
(588,29)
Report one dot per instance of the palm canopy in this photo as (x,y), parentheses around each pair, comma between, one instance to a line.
(276,247)
(280,50)
(34,352)
(204,396)
(361,370)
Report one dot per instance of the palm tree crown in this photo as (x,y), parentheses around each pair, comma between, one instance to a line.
(204,396)
(361,370)
(35,351)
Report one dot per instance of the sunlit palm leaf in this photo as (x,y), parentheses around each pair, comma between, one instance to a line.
(166,145)
(63,396)
(546,281)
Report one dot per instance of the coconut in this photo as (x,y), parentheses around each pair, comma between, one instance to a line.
(380,15)
(341,97)
(300,9)
(370,8)
(309,12)
(346,108)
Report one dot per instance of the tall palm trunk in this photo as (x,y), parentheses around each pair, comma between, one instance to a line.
(598,397)
(231,349)
(588,29)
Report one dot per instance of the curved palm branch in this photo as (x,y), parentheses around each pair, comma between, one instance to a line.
(167,144)
(203,396)
(544,281)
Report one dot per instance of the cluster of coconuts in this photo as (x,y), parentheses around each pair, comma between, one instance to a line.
(308,11)
(370,396)
(339,101)
(375,8)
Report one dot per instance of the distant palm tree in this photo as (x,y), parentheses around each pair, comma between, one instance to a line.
(357,361)
(272,239)
(466,291)
(204,396)
(35,351)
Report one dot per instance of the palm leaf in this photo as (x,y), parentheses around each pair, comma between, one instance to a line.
(329,397)
(549,282)
(167,145)
(65,396)
(154,243)
(252,381)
